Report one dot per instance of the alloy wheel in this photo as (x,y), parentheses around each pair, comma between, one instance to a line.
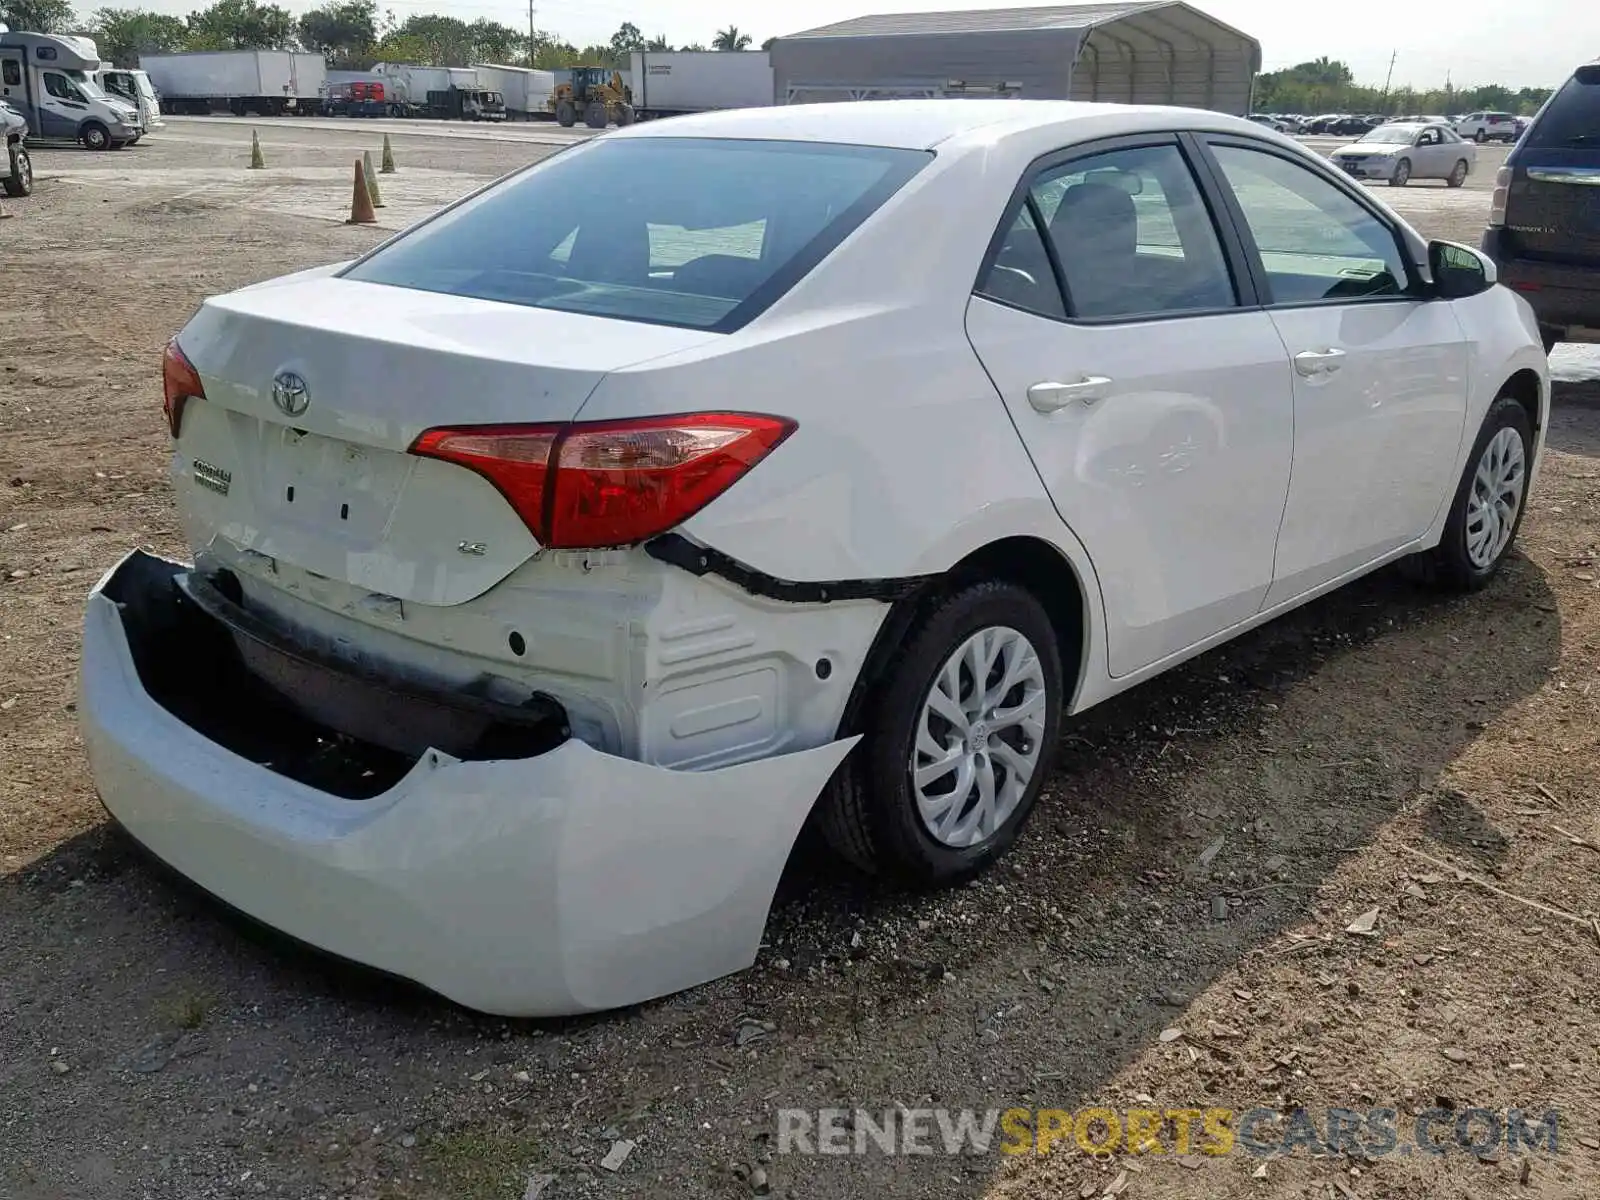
(1496,498)
(978,737)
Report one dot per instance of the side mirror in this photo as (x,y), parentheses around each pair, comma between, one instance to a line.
(1459,271)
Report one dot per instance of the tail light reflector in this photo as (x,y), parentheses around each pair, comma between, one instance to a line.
(179,383)
(1497,202)
(610,483)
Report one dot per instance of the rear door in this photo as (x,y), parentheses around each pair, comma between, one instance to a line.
(1380,373)
(11,88)
(1154,401)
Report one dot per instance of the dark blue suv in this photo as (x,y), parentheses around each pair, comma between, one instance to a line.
(1544,223)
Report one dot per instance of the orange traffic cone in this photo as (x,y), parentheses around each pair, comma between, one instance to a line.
(361,211)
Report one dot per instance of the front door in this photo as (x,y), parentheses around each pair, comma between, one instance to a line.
(62,108)
(1380,374)
(1155,408)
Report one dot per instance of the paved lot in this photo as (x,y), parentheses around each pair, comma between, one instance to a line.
(1194,865)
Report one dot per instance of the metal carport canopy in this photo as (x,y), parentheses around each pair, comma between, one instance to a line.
(1145,51)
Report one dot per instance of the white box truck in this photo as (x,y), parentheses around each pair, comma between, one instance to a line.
(526,89)
(669,83)
(266,83)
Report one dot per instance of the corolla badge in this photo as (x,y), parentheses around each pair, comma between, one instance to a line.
(290,393)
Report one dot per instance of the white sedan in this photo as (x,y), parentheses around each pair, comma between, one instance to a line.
(557,560)
(1399,153)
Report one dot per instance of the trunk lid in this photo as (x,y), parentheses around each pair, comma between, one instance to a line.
(318,474)
(1553,203)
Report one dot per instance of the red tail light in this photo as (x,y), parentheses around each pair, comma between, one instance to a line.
(610,483)
(180,381)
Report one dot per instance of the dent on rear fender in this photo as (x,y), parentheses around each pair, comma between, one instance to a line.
(663,878)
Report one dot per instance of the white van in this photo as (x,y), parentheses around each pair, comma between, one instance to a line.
(47,79)
(134,87)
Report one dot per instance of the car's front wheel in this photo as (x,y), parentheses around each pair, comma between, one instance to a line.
(1488,506)
(19,180)
(1480,137)
(96,136)
(959,733)
(1402,173)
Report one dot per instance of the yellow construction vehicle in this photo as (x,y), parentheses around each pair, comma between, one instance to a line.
(589,94)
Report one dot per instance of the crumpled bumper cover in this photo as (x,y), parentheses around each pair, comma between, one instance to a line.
(569,882)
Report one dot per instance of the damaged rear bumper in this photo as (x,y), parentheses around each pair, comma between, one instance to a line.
(565,882)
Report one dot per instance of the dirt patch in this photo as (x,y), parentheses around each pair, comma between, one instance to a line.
(1202,850)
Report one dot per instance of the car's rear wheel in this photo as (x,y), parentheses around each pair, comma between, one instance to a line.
(1488,506)
(1480,137)
(1402,173)
(959,732)
(1458,174)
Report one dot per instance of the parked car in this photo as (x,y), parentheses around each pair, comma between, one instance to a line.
(1488,127)
(1544,220)
(549,566)
(1270,122)
(1347,126)
(1400,153)
(18,179)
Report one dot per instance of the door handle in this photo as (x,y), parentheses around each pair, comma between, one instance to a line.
(1318,362)
(1050,396)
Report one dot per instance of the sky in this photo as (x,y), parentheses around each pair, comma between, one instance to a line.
(1526,44)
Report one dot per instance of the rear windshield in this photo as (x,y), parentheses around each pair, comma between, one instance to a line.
(1572,118)
(703,233)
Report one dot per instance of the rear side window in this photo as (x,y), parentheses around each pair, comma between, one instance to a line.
(703,233)
(13,75)
(1572,118)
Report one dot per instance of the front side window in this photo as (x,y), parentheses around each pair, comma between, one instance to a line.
(1132,235)
(1316,242)
(703,233)
(58,86)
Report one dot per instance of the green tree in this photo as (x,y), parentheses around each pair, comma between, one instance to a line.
(122,34)
(626,40)
(658,44)
(241,25)
(490,41)
(37,16)
(344,31)
(731,38)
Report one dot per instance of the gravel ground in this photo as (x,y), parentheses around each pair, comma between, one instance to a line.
(1170,934)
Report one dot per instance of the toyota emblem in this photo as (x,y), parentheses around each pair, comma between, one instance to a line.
(290,394)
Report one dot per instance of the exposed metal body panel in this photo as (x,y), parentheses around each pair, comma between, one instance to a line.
(1141,52)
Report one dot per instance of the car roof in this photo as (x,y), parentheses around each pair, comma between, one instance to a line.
(924,124)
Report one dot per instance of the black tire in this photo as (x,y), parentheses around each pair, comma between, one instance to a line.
(1447,566)
(566,114)
(1458,174)
(19,180)
(868,814)
(626,115)
(1402,173)
(595,115)
(1480,137)
(95,136)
